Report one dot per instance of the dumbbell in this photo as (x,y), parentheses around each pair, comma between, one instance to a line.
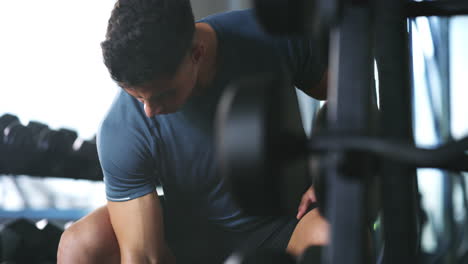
(23,242)
(52,141)
(5,120)
(260,141)
(37,150)
(260,138)
(58,146)
(17,145)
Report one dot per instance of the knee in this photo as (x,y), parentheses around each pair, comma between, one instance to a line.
(312,230)
(316,228)
(90,240)
(79,244)
(72,246)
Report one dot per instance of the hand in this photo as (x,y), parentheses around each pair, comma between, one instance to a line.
(307,199)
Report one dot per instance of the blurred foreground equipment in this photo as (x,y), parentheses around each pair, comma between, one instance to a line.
(24,241)
(260,136)
(352,152)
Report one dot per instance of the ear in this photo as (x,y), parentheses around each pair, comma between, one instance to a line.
(198,52)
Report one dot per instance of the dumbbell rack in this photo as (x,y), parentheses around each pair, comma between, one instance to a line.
(358,25)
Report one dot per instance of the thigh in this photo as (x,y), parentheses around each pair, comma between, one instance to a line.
(91,239)
(312,230)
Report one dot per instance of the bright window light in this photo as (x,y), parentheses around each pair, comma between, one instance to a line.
(51,64)
(459,70)
(51,71)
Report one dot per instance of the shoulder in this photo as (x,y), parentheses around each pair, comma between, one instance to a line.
(125,128)
(122,111)
(126,114)
(126,146)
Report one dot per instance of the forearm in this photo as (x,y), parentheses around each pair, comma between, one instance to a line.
(139,227)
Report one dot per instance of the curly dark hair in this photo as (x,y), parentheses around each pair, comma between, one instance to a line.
(147,39)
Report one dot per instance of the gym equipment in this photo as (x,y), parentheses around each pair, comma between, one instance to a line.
(17,140)
(437,8)
(349,153)
(316,16)
(311,255)
(255,142)
(37,150)
(23,242)
(262,161)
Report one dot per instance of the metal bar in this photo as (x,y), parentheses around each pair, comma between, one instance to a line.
(437,8)
(399,188)
(348,113)
(449,156)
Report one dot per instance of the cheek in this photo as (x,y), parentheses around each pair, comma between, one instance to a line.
(192,80)
(185,88)
(185,92)
(189,85)
(179,98)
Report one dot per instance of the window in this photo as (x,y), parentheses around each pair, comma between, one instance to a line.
(52,72)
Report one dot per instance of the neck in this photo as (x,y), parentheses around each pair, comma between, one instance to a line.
(206,34)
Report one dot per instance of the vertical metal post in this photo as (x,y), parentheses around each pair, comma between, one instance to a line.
(349,114)
(443,119)
(399,187)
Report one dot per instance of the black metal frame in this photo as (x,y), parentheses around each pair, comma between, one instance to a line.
(437,8)
(399,184)
(351,68)
(450,156)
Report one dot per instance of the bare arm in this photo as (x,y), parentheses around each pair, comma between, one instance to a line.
(138,225)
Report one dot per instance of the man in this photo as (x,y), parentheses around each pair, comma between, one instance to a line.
(159,129)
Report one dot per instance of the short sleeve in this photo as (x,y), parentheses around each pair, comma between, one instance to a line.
(126,160)
(306,59)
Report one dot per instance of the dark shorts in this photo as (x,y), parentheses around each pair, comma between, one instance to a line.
(209,245)
(196,242)
(274,235)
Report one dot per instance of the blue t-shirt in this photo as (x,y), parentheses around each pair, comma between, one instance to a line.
(177,150)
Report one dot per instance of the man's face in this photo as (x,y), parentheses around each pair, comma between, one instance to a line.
(165,96)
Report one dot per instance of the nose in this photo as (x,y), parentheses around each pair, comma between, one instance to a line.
(152,110)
